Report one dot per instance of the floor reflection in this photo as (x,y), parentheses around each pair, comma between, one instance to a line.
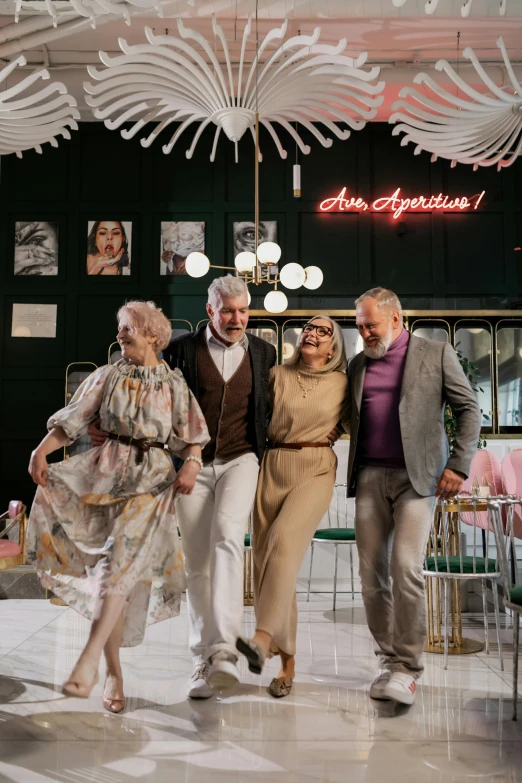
(458,730)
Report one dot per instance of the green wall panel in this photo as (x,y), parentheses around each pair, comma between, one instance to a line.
(100,175)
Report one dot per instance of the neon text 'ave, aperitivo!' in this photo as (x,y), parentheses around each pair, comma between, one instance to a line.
(397,204)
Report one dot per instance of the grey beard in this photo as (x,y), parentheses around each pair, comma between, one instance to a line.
(381,348)
(229,338)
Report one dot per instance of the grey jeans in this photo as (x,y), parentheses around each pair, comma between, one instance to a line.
(392,524)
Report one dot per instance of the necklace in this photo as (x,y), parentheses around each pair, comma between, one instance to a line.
(303,387)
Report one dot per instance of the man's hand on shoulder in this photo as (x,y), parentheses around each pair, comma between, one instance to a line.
(97,436)
(450,484)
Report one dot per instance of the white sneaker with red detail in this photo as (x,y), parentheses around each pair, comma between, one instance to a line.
(401,687)
(378,685)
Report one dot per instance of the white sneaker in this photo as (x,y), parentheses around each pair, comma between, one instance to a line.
(198,686)
(401,687)
(378,685)
(223,673)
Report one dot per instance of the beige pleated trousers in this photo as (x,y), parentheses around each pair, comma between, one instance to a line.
(293,494)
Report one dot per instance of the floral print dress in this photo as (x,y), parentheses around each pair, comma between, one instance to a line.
(105,523)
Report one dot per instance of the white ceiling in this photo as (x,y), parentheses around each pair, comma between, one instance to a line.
(403,40)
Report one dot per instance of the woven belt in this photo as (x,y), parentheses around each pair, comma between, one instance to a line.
(142,444)
(299,446)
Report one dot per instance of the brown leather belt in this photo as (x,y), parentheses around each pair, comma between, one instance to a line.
(299,446)
(142,444)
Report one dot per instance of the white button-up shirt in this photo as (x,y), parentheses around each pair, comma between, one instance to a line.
(226,358)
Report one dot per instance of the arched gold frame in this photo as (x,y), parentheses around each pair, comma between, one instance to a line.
(514,321)
(493,411)
(411,325)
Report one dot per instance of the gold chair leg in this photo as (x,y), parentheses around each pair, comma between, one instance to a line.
(248,588)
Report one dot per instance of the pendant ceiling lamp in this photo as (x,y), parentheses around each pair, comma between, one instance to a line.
(431,6)
(258,267)
(477,128)
(30,118)
(180,80)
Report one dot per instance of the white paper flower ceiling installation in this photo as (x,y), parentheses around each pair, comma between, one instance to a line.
(31,118)
(91,9)
(170,80)
(431,6)
(483,129)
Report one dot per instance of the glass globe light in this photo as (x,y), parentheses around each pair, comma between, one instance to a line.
(276,302)
(268,253)
(249,297)
(245,261)
(197,264)
(314,277)
(292,275)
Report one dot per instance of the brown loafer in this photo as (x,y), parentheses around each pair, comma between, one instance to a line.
(280,687)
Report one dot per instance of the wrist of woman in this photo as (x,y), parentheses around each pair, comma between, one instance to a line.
(195,459)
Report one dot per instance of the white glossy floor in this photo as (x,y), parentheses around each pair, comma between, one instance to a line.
(459,729)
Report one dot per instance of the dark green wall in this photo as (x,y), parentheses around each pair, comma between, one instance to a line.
(452,260)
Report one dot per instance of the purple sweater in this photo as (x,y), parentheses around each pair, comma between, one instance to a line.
(379,442)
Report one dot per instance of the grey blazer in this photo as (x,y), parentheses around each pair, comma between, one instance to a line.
(432,377)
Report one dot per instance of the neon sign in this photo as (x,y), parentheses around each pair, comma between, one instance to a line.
(397,205)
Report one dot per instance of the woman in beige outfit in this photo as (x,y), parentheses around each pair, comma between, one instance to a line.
(295,487)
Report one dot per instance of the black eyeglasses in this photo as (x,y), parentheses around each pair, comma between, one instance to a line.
(322,331)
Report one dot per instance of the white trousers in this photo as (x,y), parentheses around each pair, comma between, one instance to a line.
(213,521)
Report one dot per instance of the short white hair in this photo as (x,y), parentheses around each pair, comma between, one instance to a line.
(386,300)
(228,285)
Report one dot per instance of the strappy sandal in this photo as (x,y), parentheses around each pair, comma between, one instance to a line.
(113,705)
(252,652)
(280,686)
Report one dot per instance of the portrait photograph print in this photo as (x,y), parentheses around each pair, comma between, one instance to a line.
(178,240)
(244,236)
(36,248)
(109,247)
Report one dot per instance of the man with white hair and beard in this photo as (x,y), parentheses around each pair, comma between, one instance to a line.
(227,370)
(399,463)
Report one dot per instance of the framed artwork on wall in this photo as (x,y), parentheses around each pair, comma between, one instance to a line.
(36,248)
(109,247)
(178,240)
(244,235)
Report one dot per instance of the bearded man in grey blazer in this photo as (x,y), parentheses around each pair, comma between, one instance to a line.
(399,463)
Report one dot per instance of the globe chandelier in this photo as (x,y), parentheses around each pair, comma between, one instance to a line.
(30,118)
(431,6)
(476,128)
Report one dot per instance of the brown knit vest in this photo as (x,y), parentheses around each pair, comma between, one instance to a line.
(228,407)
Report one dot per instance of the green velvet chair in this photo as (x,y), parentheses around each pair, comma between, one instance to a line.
(502,511)
(446,561)
(337,533)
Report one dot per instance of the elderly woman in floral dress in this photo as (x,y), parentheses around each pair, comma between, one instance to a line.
(103,530)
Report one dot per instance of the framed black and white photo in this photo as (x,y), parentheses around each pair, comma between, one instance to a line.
(244,236)
(109,247)
(36,248)
(179,239)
